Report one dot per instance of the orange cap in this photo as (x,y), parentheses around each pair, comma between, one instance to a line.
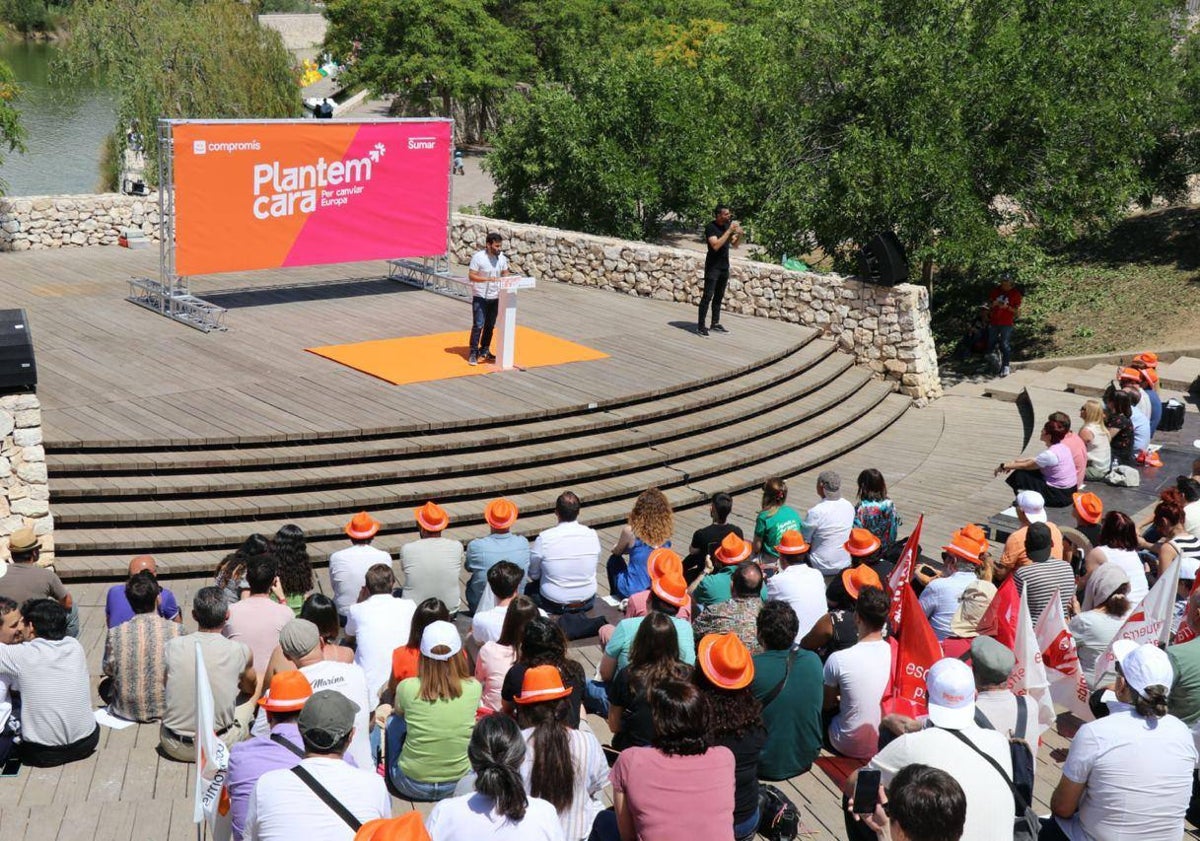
(671,588)
(407,827)
(963,547)
(663,561)
(499,513)
(362,526)
(287,693)
(432,517)
(733,550)
(855,578)
(725,661)
(1088,506)
(792,542)
(541,683)
(862,543)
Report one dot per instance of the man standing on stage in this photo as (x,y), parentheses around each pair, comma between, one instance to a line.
(487,265)
(719,234)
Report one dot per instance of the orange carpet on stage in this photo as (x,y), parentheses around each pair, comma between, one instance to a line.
(419,359)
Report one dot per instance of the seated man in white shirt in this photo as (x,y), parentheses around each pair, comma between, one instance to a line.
(857,677)
(562,563)
(797,583)
(377,626)
(348,567)
(285,804)
(503,579)
(827,526)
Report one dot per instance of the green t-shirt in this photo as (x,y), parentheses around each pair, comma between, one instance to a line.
(621,642)
(793,719)
(768,528)
(435,750)
(716,587)
(1184,700)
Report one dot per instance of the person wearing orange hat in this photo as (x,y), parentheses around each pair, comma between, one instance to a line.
(797,583)
(738,615)
(432,565)
(865,549)
(348,567)
(668,593)
(1147,364)
(724,674)
(714,584)
(940,598)
(282,748)
(500,545)
(660,562)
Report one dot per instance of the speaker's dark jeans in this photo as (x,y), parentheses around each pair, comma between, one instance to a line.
(714,292)
(483,322)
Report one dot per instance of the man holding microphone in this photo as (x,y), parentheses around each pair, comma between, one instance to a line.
(487,266)
(719,234)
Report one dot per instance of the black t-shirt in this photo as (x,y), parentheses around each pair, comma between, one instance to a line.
(514,677)
(716,258)
(707,540)
(637,727)
(746,751)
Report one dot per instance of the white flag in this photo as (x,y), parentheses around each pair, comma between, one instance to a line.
(1068,686)
(1150,621)
(1029,675)
(212,761)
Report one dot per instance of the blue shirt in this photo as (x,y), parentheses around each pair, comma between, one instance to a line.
(940,598)
(118,611)
(621,641)
(636,577)
(1141,430)
(485,552)
(251,759)
(1155,409)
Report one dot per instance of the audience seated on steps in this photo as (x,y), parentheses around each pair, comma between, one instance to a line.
(258,618)
(135,652)
(23,579)
(295,568)
(797,584)
(432,565)
(661,562)
(651,523)
(827,526)
(484,552)
(378,625)
(856,678)
(496,657)
(1051,473)
(875,511)
(775,518)
(562,561)
(11,633)
(738,615)
(706,540)
(503,580)
(116,606)
(348,567)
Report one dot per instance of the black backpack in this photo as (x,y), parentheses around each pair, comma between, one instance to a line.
(779,819)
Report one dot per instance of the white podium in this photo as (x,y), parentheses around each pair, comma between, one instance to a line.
(506,319)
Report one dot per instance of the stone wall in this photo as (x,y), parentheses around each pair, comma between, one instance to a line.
(887,329)
(24,490)
(35,222)
(299,31)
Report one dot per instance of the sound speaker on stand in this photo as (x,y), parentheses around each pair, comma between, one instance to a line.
(882,260)
(18,372)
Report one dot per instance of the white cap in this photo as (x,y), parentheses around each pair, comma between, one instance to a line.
(1143,665)
(440,634)
(951,693)
(1188,567)
(1034,506)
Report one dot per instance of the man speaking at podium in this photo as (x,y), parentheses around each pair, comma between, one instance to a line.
(487,266)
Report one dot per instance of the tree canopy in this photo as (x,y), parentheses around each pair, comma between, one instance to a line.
(11,134)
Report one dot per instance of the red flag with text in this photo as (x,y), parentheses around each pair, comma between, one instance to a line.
(1068,686)
(1150,621)
(902,573)
(915,648)
(1000,619)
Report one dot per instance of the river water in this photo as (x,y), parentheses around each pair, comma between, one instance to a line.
(64,127)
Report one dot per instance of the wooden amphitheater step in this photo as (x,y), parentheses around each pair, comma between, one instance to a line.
(687,483)
(438,460)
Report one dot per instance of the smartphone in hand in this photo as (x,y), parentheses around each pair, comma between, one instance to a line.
(866,792)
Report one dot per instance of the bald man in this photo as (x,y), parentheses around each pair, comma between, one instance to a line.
(116,606)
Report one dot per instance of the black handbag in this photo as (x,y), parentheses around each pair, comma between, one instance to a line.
(778,817)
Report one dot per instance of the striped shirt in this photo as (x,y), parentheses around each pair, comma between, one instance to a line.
(1187,545)
(135,658)
(591,776)
(56,695)
(1040,579)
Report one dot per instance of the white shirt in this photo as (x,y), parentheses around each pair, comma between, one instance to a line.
(803,588)
(1137,775)
(564,558)
(485,264)
(472,816)
(827,528)
(379,625)
(348,572)
(487,624)
(989,799)
(861,673)
(283,808)
(1129,561)
(349,680)
(1000,708)
(1191,518)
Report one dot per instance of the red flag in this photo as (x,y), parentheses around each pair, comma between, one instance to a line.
(1000,619)
(902,573)
(915,650)
(1068,685)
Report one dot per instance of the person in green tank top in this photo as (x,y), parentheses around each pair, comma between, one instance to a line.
(773,520)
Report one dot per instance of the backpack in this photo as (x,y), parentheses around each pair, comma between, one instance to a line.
(779,819)
(1026,823)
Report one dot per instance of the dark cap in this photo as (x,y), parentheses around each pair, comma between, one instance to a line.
(1038,542)
(326,718)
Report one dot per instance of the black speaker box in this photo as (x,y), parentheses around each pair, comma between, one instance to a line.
(882,260)
(18,371)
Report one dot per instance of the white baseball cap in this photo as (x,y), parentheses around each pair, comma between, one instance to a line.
(951,689)
(440,634)
(1143,665)
(1034,506)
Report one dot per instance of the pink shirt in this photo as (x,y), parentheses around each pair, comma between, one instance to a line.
(1078,455)
(491,666)
(257,621)
(677,796)
(1057,466)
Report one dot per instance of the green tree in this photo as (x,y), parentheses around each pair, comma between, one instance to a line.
(11,133)
(177,59)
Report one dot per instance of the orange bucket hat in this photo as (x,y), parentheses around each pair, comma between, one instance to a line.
(1149,359)
(541,683)
(862,543)
(432,517)
(1088,506)
(725,661)
(1129,375)
(407,827)
(733,550)
(362,526)
(671,588)
(663,561)
(500,514)
(855,578)
(792,543)
(1150,377)
(287,693)
(963,547)
(976,533)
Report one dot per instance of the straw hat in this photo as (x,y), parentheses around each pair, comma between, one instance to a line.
(362,526)
(725,661)
(432,517)
(500,514)
(733,550)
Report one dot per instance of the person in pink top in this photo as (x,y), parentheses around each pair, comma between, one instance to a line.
(496,658)
(1073,443)
(650,799)
(257,619)
(1051,472)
